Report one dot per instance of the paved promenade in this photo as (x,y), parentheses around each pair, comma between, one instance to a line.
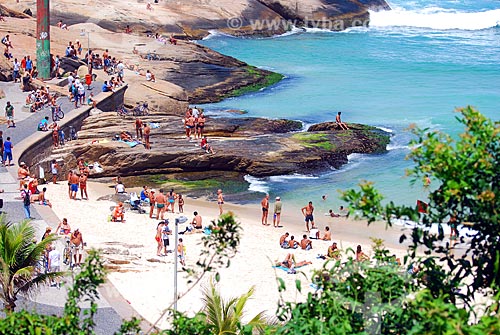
(49,300)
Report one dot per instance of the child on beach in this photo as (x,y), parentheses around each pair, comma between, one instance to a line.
(180,202)
(181,252)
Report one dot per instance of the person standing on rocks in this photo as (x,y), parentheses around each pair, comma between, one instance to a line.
(307,211)
(277,212)
(147,132)
(265,209)
(9,115)
(138,128)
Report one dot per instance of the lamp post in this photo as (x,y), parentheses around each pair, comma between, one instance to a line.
(180,219)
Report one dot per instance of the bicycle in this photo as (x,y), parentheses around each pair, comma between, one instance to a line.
(68,255)
(141,109)
(57,113)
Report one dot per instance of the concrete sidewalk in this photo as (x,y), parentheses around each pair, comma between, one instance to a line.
(112,307)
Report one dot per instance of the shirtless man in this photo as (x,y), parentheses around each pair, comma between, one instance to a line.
(22,173)
(40,197)
(307,211)
(138,128)
(220,200)
(147,132)
(189,125)
(70,174)
(265,209)
(305,243)
(160,205)
(83,186)
(283,240)
(152,202)
(328,235)
(74,180)
(197,221)
(341,124)
(77,246)
(201,124)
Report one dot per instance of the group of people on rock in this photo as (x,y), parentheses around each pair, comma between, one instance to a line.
(194,124)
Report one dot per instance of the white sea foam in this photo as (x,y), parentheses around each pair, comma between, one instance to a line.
(295,176)
(393,146)
(387,130)
(436,18)
(256,184)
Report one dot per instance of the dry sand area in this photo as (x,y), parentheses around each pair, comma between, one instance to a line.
(148,286)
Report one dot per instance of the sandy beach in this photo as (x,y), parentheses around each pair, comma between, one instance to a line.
(148,286)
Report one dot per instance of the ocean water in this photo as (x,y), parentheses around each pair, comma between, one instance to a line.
(412,65)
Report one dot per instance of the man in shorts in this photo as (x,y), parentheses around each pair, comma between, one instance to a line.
(74,180)
(265,209)
(76,240)
(9,115)
(307,211)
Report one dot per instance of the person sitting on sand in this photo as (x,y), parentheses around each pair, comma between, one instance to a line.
(292,244)
(314,233)
(305,243)
(284,241)
(339,122)
(120,188)
(119,213)
(343,211)
(63,228)
(40,197)
(128,30)
(333,251)
(290,263)
(195,226)
(360,255)
(328,235)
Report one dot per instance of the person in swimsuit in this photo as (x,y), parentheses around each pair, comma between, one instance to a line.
(307,211)
(265,209)
(189,125)
(201,124)
(83,186)
(160,205)
(152,202)
(171,196)
(63,228)
(341,124)
(220,200)
(180,203)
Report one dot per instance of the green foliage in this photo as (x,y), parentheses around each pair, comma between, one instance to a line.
(225,315)
(352,298)
(265,79)
(314,140)
(20,255)
(73,321)
(222,243)
(466,172)
(183,325)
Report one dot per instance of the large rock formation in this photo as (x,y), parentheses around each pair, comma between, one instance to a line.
(255,146)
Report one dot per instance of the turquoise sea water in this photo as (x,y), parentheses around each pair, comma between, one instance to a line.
(414,64)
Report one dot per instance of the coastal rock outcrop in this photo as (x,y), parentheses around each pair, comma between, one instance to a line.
(255,146)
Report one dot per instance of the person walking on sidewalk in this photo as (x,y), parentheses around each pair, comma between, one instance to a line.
(26,196)
(9,115)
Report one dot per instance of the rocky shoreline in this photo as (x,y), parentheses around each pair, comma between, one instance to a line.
(191,73)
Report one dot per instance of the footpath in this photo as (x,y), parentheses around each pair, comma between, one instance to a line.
(112,307)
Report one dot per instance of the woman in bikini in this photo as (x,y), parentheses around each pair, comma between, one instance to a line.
(171,200)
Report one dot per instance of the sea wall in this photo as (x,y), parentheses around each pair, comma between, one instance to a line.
(35,149)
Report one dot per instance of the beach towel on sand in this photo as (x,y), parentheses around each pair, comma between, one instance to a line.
(287,270)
